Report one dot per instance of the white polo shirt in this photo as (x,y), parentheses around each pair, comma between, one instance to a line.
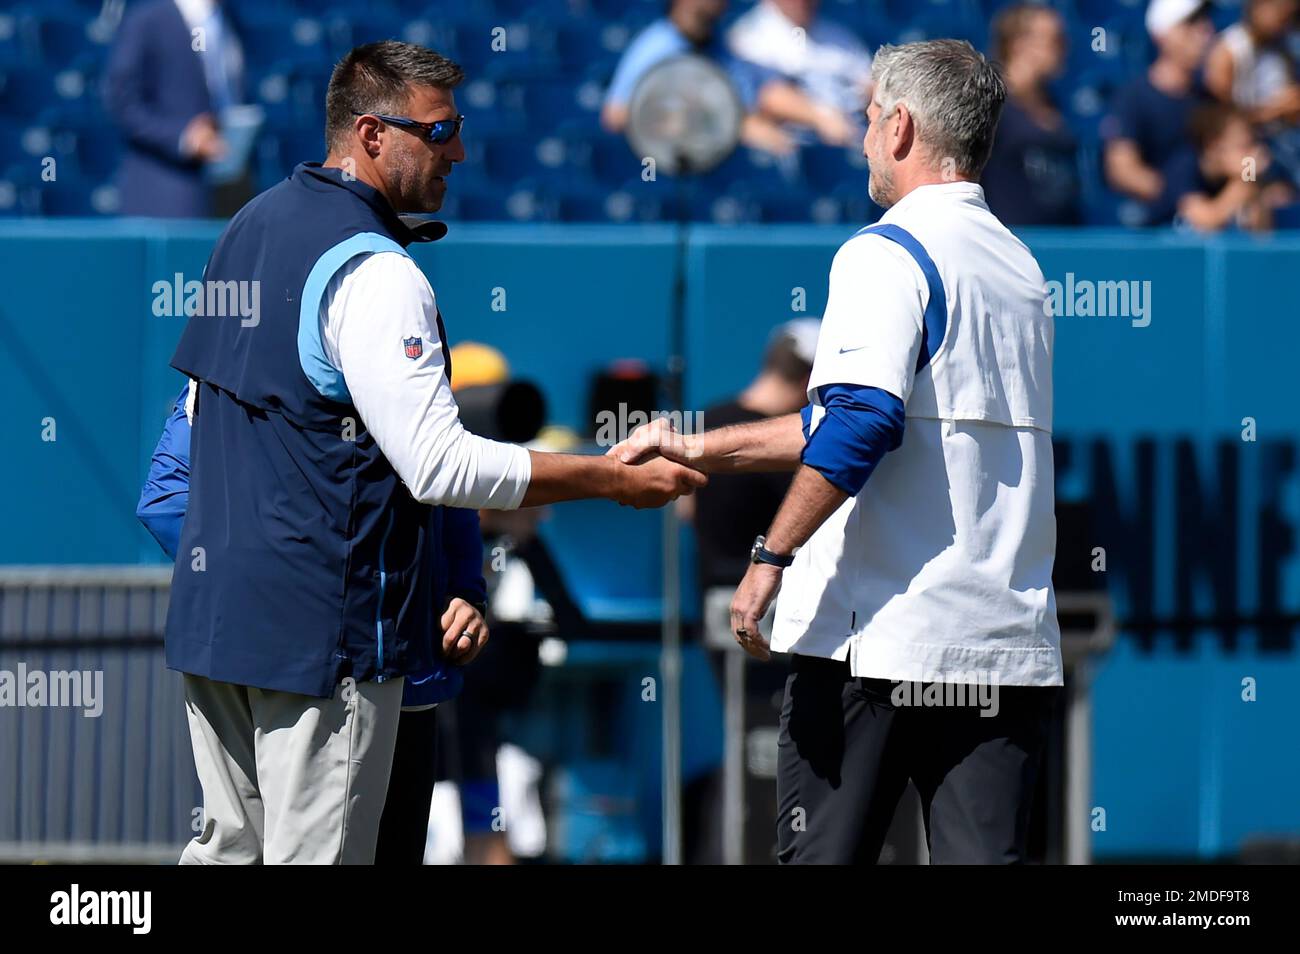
(941,568)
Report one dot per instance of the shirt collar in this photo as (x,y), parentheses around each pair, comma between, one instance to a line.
(405,228)
(959,191)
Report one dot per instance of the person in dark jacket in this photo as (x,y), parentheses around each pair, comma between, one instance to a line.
(324,442)
(458,570)
(176,65)
(1032,177)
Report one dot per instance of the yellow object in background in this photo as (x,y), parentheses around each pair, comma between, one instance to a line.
(474,364)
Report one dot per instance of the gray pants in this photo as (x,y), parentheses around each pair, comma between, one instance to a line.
(287,778)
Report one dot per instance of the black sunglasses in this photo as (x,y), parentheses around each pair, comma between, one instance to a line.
(439,133)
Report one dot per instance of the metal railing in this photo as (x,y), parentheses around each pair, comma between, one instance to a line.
(95,759)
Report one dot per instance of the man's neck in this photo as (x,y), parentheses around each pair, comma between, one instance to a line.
(684,28)
(926,177)
(1168,77)
(1024,83)
(362,173)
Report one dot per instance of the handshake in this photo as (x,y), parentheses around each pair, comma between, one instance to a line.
(655,464)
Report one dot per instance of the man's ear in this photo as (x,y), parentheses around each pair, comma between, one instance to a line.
(367,130)
(900,142)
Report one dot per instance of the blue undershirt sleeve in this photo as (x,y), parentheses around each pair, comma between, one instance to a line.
(860,426)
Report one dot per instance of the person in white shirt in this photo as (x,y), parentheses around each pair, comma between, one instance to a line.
(1249,65)
(825,60)
(918,605)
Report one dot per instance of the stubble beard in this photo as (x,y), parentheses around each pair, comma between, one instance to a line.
(880,184)
(416,193)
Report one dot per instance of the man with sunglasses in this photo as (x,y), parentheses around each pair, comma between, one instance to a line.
(322,434)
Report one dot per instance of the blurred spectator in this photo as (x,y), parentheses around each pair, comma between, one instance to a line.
(1032,177)
(1226,182)
(175,66)
(1249,66)
(1147,127)
(769,101)
(825,60)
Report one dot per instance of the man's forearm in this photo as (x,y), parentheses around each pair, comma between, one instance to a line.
(1128,173)
(773,444)
(558,477)
(810,500)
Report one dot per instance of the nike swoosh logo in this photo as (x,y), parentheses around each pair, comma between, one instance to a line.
(847,350)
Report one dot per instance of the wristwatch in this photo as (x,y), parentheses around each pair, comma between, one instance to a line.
(759,553)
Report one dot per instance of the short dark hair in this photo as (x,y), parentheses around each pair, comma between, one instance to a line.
(1209,121)
(782,358)
(1010,24)
(378,77)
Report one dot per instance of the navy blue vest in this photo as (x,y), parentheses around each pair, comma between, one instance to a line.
(303,558)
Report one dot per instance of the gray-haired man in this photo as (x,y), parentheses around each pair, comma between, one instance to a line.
(919,606)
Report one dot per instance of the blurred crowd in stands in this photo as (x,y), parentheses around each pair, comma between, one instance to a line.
(1119,112)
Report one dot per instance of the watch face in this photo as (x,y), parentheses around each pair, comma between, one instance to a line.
(753,551)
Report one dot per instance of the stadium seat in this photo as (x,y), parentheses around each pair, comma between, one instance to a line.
(506,158)
(590,204)
(60,38)
(20,190)
(665,200)
(282,38)
(1097,11)
(611,159)
(492,107)
(792,206)
(578,43)
(346,27)
(522,203)
(549,102)
(11,48)
(1086,101)
(535,150)
(641,11)
(25,90)
(824,168)
(940,22)
(1287,217)
(79,197)
(442,12)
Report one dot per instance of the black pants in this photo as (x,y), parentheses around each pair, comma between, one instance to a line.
(404,826)
(847,751)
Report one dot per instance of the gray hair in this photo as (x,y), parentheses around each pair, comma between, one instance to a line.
(953,93)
